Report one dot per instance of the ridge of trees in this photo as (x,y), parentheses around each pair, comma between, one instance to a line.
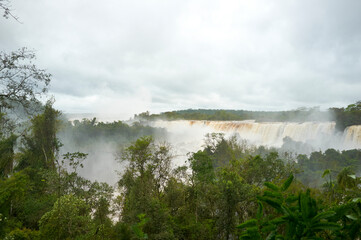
(301,114)
(88,131)
(344,117)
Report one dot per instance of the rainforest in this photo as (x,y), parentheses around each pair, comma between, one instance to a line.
(180,120)
(177,179)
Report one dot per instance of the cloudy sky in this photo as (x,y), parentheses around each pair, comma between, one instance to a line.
(124,57)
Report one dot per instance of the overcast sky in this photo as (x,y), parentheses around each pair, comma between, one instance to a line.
(125,57)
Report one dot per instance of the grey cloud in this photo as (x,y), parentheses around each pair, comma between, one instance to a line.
(165,55)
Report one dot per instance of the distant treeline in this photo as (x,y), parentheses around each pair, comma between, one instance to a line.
(302,114)
(86,132)
(344,117)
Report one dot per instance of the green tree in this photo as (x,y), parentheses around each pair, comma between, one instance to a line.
(101,220)
(234,193)
(12,193)
(68,219)
(142,184)
(351,115)
(7,156)
(346,179)
(42,145)
(256,170)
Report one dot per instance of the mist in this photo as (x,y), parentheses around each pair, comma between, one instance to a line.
(100,164)
(103,143)
(104,137)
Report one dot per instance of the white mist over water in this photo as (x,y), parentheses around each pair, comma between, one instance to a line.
(188,135)
(100,164)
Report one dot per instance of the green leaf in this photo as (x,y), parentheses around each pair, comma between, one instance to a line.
(291,230)
(269,228)
(272,194)
(271,236)
(291,199)
(287,183)
(278,220)
(352,217)
(287,211)
(326,172)
(272,186)
(273,203)
(259,210)
(306,206)
(279,237)
(248,224)
(323,215)
(326,226)
(251,233)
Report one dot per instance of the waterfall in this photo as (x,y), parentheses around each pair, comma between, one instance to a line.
(321,135)
(352,136)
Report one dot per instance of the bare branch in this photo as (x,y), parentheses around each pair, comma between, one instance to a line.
(6,7)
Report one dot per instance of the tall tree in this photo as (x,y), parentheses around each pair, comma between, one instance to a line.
(42,145)
(69,219)
(142,185)
(7,155)
(21,81)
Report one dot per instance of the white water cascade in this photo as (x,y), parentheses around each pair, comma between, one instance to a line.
(189,135)
(352,137)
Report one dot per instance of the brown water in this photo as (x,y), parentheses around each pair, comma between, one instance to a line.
(271,134)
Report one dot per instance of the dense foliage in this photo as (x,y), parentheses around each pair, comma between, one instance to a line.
(223,186)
